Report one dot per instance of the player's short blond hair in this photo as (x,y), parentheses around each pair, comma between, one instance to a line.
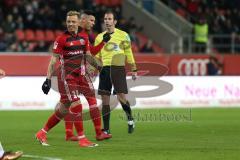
(73,13)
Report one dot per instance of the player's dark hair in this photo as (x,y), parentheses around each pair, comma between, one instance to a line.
(88,12)
(111,12)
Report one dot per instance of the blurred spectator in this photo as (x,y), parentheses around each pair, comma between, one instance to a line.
(123,25)
(201,36)
(223,17)
(131,23)
(24,46)
(214,67)
(9,25)
(22,15)
(3,44)
(14,47)
(41,47)
(134,37)
(148,47)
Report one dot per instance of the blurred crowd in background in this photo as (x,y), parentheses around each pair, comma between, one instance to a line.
(26,22)
(32,25)
(223,17)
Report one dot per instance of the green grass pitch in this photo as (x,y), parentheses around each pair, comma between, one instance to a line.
(161,134)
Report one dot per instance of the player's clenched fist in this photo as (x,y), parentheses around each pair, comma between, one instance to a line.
(46,86)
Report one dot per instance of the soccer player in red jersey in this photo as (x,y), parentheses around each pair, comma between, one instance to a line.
(87,22)
(70,49)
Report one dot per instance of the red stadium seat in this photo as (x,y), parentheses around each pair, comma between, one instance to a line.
(29,35)
(20,35)
(181,12)
(58,32)
(50,36)
(40,36)
(116,2)
(157,49)
(142,39)
(109,3)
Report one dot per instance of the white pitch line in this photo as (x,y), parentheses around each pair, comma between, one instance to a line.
(40,157)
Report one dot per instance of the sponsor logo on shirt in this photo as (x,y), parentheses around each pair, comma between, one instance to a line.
(75,52)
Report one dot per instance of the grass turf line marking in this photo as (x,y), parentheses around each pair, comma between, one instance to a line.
(40,157)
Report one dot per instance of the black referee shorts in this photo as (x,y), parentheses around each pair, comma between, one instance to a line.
(112,76)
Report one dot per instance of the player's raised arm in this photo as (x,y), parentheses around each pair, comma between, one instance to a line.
(98,47)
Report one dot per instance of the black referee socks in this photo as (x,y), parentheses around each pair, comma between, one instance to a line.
(126,107)
(106,116)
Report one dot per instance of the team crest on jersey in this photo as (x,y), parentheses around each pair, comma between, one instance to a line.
(82,41)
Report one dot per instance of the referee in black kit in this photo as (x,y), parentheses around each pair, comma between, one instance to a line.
(113,57)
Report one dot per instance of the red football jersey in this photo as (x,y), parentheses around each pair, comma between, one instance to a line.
(71,49)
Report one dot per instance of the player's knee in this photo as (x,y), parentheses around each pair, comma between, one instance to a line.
(75,108)
(121,97)
(105,99)
(61,109)
(92,101)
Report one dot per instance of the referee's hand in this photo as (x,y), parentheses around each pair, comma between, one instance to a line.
(106,37)
(46,86)
(134,76)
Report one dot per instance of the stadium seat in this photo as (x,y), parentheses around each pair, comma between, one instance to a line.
(50,36)
(40,36)
(20,35)
(142,39)
(181,12)
(157,49)
(58,32)
(109,3)
(29,35)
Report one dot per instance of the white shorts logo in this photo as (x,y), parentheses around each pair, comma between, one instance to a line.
(192,67)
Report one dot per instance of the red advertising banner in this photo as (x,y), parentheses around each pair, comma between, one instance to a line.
(24,64)
(36,65)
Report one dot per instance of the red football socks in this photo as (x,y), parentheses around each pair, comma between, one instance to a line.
(53,120)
